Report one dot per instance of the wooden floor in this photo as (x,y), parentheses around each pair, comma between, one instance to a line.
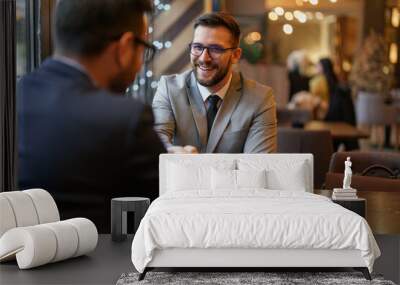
(383,210)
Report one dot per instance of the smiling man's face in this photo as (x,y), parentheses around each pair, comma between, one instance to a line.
(210,70)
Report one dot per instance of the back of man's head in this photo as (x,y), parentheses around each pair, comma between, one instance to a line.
(86,27)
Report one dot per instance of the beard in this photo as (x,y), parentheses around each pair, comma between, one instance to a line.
(121,82)
(221,72)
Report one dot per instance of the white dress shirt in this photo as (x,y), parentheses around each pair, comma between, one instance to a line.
(205,93)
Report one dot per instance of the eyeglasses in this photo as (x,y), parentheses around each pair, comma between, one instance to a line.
(149,49)
(214,51)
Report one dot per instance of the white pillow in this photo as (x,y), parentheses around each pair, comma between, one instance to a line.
(222,179)
(183,178)
(281,174)
(295,180)
(251,178)
(189,175)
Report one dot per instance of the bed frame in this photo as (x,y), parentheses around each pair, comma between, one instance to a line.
(242,259)
(245,258)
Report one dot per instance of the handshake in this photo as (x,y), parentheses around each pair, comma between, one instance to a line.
(187,149)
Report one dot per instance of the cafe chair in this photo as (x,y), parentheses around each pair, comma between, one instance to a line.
(293,117)
(373,111)
(319,143)
(372,171)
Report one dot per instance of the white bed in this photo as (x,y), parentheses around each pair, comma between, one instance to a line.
(219,210)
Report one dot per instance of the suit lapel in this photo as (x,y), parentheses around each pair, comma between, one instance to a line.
(198,108)
(225,111)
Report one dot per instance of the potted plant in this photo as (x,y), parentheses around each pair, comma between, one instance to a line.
(372,72)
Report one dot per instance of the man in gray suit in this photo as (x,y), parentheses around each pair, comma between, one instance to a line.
(210,108)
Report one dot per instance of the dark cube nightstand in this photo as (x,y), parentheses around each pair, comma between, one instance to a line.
(356,205)
(119,209)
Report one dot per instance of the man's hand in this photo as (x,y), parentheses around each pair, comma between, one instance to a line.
(187,149)
(190,149)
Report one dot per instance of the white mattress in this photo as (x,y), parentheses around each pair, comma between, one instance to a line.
(250,219)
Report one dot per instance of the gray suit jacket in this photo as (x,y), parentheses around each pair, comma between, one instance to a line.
(245,122)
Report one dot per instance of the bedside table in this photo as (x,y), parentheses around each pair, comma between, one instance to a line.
(355,205)
(119,209)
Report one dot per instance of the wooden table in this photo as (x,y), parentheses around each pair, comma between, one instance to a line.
(383,210)
(339,130)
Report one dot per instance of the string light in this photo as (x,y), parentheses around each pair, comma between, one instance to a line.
(273,16)
(319,16)
(167,44)
(289,16)
(149,73)
(279,11)
(395,17)
(346,65)
(393,52)
(386,69)
(300,16)
(299,2)
(287,29)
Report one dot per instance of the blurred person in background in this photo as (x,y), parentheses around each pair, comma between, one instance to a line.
(336,104)
(297,65)
(324,83)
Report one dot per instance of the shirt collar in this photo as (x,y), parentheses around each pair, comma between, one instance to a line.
(220,93)
(74,64)
(71,62)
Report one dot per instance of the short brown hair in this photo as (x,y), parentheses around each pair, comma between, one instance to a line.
(220,19)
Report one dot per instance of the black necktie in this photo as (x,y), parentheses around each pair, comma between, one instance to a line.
(212,111)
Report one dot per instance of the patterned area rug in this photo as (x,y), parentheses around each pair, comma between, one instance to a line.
(243,278)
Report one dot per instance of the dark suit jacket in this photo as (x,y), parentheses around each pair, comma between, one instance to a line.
(82,144)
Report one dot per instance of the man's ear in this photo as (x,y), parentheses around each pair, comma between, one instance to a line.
(237,53)
(125,48)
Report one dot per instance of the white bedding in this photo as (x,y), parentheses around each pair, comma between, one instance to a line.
(251,218)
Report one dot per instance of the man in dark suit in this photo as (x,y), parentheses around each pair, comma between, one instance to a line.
(80,138)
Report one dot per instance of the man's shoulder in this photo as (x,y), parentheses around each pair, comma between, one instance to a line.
(53,74)
(255,89)
(178,81)
(107,100)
